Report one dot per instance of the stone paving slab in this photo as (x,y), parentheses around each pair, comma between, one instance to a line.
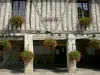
(18,69)
(80,71)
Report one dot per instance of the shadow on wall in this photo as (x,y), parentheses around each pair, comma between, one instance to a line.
(11,60)
(13,55)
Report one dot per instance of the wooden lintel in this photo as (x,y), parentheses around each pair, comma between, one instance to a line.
(44,32)
(11,38)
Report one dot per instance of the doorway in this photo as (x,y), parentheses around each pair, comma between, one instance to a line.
(60,55)
(90,57)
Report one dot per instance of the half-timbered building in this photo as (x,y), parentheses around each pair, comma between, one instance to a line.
(57,19)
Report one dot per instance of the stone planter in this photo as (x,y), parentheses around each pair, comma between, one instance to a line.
(72,66)
(28,67)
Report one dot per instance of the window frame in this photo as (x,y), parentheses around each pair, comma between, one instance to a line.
(88,6)
(19,8)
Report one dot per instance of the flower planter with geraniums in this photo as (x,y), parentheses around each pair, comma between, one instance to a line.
(75,55)
(6,44)
(27,55)
(84,22)
(50,43)
(94,43)
(17,20)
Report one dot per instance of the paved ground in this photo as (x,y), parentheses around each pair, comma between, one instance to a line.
(80,71)
(18,70)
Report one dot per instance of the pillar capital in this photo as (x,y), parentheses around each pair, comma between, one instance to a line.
(71,36)
(71,43)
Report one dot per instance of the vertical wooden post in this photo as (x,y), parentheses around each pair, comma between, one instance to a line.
(94,16)
(7,14)
(28,15)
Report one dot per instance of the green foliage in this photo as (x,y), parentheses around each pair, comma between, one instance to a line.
(75,55)
(6,44)
(50,43)
(94,43)
(17,20)
(85,21)
(27,55)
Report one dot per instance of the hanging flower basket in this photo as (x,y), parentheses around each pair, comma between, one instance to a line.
(17,20)
(50,43)
(85,21)
(75,55)
(27,55)
(6,44)
(94,43)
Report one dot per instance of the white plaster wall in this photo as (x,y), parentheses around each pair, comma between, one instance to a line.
(39,11)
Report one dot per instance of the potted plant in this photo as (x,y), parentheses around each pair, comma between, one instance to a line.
(94,43)
(6,44)
(27,55)
(50,43)
(84,22)
(17,20)
(75,55)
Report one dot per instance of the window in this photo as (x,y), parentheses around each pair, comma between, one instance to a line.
(18,7)
(83,9)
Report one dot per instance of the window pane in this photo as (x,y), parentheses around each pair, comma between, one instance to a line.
(15,12)
(15,3)
(22,3)
(80,5)
(15,8)
(85,6)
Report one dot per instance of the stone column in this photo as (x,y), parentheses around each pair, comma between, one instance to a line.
(71,45)
(28,43)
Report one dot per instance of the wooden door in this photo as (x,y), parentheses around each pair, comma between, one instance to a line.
(60,55)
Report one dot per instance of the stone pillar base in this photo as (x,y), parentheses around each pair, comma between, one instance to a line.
(28,67)
(72,67)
